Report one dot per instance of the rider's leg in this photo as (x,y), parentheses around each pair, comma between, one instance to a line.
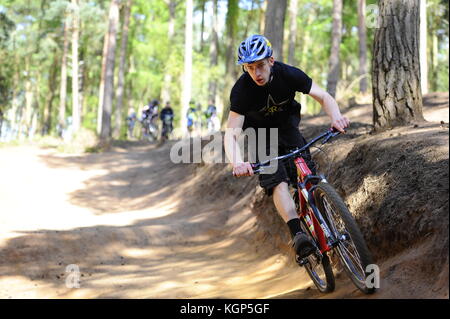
(283,201)
(285,206)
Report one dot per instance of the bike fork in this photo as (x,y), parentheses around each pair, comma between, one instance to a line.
(303,261)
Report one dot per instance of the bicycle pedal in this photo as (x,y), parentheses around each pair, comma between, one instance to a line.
(301,261)
(318,255)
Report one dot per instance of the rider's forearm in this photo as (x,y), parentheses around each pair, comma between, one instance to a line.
(330,106)
(232,147)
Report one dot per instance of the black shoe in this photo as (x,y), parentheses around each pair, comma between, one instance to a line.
(303,246)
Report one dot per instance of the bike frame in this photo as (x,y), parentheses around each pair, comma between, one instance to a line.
(305,186)
(307,209)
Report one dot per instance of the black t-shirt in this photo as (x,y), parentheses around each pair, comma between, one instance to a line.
(166,111)
(272,105)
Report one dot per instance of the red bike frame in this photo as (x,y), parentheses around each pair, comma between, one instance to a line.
(305,211)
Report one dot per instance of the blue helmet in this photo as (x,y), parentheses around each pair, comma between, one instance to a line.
(254,48)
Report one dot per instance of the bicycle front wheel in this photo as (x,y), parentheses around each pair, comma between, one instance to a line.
(319,268)
(352,248)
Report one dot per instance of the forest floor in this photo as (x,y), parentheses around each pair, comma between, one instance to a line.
(139,226)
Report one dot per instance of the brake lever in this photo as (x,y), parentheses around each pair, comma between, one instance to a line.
(326,139)
(331,133)
(257,168)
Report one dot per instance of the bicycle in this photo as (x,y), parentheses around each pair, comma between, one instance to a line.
(166,128)
(150,130)
(326,219)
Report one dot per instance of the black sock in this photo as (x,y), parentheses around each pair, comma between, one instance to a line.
(294,226)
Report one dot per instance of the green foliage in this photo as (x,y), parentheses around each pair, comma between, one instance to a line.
(6,25)
(31,47)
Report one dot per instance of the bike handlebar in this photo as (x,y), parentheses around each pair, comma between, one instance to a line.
(332,132)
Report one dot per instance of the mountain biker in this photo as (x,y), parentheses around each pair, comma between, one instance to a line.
(149,114)
(166,117)
(191,117)
(211,118)
(200,119)
(263,97)
(131,120)
(211,110)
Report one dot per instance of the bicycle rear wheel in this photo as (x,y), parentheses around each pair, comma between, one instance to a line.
(319,268)
(352,248)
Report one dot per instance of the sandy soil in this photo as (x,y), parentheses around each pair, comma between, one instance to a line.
(138,226)
(128,221)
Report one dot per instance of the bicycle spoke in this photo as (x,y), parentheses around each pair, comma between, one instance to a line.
(356,259)
(353,257)
(317,272)
(330,213)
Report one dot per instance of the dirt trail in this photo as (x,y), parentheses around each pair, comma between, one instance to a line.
(139,226)
(128,221)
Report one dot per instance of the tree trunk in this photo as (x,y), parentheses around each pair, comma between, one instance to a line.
(101,90)
(15,113)
(434,61)
(82,81)
(232,28)
(305,44)
(305,37)
(362,45)
(47,118)
(121,80)
(336,35)
(293,12)
(423,47)
(397,98)
(187,79)
(202,26)
(35,108)
(105,133)
(1,122)
(63,87)
(274,26)
(29,94)
(213,53)
(167,83)
(249,18)
(262,17)
(231,69)
(76,112)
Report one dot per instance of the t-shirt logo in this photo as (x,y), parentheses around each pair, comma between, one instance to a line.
(272,107)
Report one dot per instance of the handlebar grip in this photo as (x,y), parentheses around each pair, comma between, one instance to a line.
(256,167)
(335,131)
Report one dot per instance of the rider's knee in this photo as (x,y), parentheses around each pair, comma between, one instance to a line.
(281,188)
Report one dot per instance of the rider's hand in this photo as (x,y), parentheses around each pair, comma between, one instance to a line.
(340,123)
(242,169)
